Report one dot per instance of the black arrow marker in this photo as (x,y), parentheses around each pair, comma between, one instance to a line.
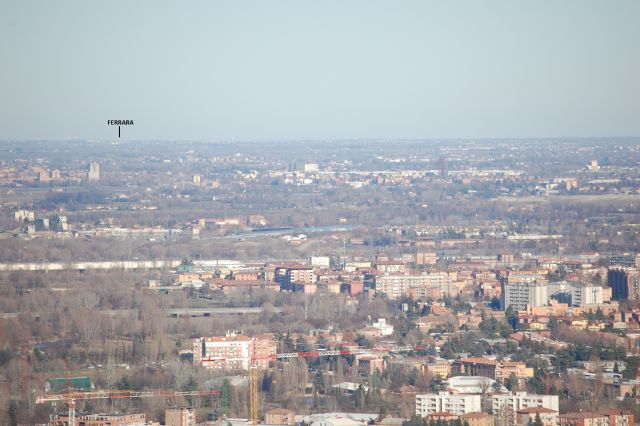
(118,131)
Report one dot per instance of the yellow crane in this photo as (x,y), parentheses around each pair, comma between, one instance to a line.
(254,396)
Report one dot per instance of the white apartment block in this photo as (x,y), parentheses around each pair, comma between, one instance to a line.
(24,216)
(520,294)
(223,352)
(446,402)
(395,286)
(519,400)
(234,351)
(580,293)
(586,295)
(323,262)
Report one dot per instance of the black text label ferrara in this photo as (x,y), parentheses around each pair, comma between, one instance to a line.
(120,122)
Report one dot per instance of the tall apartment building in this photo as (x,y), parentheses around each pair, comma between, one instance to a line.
(233,351)
(94,171)
(586,294)
(288,275)
(575,293)
(457,404)
(624,283)
(519,400)
(520,294)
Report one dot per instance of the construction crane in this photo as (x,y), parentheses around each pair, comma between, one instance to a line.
(254,402)
(254,395)
(71,397)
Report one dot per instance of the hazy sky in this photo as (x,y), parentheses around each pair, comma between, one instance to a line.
(319,69)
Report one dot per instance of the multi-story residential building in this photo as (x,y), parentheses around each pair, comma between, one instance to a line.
(575,293)
(233,351)
(475,367)
(518,295)
(619,418)
(624,283)
(610,417)
(513,369)
(584,419)
(457,404)
(352,288)
(368,364)
(396,285)
(354,266)
(586,294)
(306,288)
(527,416)
(246,276)
(287,275)
(390,266)
(440,369)
(520,400)
(264,349)
(323,262)
(93,174)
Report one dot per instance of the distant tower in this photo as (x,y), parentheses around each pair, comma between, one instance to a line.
(443,164)
(94,171)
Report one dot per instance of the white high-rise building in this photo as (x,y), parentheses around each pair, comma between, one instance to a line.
(446,402)
(585,294)
(520,294)
(319,262)
(575,293)
(94,171)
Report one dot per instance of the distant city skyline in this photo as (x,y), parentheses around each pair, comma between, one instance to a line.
(319,70)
